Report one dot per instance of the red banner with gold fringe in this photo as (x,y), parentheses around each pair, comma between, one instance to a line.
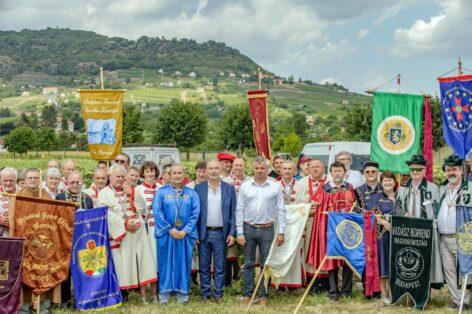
(259,109)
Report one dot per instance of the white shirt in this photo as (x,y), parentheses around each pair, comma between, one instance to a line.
(214,214)
(447,214)
(260,204)
(355,178)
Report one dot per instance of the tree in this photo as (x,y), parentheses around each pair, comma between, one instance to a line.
(34,120)
(436,119)
(236,128)
(21,140)
(132,125)
(78,122)
(185,124)
(48,116)
(46,139)
(24,120)
(300,125)
(64,124)
(358,122)
(292,144)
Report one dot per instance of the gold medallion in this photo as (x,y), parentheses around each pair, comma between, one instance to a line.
(178,222)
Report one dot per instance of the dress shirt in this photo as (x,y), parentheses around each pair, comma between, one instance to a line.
(214,213)
(260,204)
(415,200)
(447,215)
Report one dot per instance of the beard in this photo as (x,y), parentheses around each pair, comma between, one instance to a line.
(453,178)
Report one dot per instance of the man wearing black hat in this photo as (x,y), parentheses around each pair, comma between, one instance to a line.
(369,193)
(455,190)
(419,198)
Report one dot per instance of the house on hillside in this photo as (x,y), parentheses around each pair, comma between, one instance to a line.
(50,90)
(160,71)
(221,73)
(310,120)
(278,81)
(25,94)
(345,102)
(232,75)
(178,73)
(192,74)
(245,75)
(58,125)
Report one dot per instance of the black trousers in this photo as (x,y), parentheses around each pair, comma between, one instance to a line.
(66,291)
(346,288)
(232,272)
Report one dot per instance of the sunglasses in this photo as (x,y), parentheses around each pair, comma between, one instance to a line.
(120,161)
(416,169)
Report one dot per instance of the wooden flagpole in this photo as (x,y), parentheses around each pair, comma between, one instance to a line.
(312,282)
(102,83)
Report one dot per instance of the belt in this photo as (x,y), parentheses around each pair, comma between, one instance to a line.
(452,235)
(267,225)
(215,228)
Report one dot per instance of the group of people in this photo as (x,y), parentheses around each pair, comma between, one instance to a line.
(164,228)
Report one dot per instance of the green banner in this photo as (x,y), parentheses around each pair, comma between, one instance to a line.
(396,129)
(410,259)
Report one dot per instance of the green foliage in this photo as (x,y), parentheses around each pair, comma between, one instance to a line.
(358,123)
(292,144)
(236,128)
(184,124)
(46,139)
(48,116)
(300,125)
(65,52)
(21,140)
(436,119)
(132,125)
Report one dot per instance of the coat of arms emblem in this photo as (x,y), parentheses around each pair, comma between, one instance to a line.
(93,259)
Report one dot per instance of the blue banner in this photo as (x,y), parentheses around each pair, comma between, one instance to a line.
(456,97)
(93,273)
(464,238)
(346,240)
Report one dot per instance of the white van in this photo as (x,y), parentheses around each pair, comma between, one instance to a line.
(160,155)
(326,151)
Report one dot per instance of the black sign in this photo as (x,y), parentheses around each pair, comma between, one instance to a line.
(410,259)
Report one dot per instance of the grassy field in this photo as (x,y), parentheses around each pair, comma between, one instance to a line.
(284,302)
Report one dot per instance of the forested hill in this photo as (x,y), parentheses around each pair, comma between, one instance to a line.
(66,52)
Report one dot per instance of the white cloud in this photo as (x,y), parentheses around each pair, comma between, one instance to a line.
(446,34)
(362,33)
(330,80)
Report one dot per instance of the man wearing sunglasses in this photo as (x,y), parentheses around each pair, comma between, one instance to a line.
(123,160)
(418,199)
(368,194)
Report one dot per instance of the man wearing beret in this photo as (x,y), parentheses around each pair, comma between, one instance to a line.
(369,193)
(418,198)
(226,161)
(455,190)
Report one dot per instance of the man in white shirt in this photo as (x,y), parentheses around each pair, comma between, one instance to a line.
(352,176)
(260,206)
(454,191)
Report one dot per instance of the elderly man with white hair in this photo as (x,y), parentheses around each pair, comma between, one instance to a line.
(100,178)
(7,185)
(130,246)
(353,177)
(67,166)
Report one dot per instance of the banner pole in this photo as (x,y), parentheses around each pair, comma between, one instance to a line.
(312,282)
(38,303)
(464,288)
(260,277)
(101,79)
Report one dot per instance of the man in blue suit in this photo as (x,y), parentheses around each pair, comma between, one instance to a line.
(216,229)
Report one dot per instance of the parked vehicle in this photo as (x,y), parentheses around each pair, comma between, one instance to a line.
(327,151)
(160,155)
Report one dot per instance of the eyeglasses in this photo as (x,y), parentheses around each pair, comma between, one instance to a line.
(416,169)
(120,161)
(370,171)
(73,182)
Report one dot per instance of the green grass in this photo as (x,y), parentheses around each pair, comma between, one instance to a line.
(282,302)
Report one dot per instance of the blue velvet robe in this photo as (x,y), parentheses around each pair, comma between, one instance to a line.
(174,257)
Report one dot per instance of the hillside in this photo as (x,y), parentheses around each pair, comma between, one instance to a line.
(65,52)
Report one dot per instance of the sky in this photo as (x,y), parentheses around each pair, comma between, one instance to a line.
(357,43)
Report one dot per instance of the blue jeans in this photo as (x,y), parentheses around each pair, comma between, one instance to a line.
(214,245)
(263,238)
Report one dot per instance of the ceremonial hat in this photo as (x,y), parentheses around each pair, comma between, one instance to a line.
(303,159)
(225,156)
(417,160)
(452,161)
(370,163)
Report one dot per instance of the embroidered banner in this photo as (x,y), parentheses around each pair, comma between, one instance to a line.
(103,116)
(259,109)
(11,255)
(47,226)
(93,273)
